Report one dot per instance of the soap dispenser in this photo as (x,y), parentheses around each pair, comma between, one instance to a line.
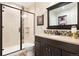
(74,32)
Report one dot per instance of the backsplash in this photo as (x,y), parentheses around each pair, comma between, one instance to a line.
(59,32)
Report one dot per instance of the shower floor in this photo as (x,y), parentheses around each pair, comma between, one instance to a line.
(23,52)
(27,50)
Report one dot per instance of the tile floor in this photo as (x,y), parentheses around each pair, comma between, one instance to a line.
(23,52)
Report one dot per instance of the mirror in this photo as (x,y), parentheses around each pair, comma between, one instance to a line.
(63,14)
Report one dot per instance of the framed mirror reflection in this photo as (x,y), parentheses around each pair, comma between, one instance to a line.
(63,15)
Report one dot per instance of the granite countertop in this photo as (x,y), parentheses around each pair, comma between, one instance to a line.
(60,38)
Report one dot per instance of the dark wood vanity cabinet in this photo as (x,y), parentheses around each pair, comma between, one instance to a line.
(55,51)
(65,53)
(43,48)
(37,47)
(48,47)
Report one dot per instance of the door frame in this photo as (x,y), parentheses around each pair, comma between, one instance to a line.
(19,29)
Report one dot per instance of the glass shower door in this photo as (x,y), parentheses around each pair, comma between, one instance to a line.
(28,30)
(10,30)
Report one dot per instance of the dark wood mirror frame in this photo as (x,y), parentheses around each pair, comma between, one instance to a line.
(61,26)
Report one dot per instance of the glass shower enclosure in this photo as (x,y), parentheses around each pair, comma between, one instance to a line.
(10,30)
(17,31)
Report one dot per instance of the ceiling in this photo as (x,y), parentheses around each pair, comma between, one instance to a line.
(24,4)
(19,4)
(29,4)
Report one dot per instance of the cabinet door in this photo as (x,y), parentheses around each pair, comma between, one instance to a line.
(55,51)
(43,47)
(48,50)
(37,49)
(65,53)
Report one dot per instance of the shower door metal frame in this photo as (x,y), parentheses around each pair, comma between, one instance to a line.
(0,29)
(19,29)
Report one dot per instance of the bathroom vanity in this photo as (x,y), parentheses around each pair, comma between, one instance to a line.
(62,15)
(52,45)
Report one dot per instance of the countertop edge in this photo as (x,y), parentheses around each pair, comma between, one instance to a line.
(60,38)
